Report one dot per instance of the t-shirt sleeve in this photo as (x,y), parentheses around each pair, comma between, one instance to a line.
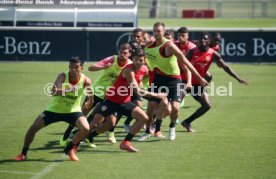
(105,61)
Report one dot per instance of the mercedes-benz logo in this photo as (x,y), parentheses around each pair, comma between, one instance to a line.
(124,38)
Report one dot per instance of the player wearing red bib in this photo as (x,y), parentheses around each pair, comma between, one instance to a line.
(201,58)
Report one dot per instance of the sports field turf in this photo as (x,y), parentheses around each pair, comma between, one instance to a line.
(235,139)
(211,23)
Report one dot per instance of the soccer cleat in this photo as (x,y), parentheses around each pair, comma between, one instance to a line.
(21,157)
(127,128)
(111,137)
(159,135)
(126,145)
(72,155)
(172,133)
(63,143)
(90,144)
(145,136)
(187,126)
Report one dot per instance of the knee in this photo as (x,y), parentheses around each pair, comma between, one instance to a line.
(112,123)
(174,110)
(94,125)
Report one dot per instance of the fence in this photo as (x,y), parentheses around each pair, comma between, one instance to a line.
(222,8)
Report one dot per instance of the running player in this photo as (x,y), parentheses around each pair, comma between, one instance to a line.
(163,56)
(202,57)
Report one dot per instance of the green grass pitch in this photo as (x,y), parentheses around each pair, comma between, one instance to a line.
(235,139)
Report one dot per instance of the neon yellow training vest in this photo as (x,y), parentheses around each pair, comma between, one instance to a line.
(167,65)
(107,78)
(71,101)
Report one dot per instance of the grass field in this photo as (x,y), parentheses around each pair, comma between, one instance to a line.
(235,139)
(210,23)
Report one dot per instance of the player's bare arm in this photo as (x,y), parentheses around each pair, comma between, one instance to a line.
(227,68)
(57,88)
(173,49)
(101,65)
(129,75)
(89,92)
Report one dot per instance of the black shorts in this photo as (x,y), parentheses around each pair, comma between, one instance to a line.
(96,101)
(136,97)
(107,108)
(52,117)
(167,85)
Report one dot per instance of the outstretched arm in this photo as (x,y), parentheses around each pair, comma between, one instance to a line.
(227,68)
(129,75)
(103,64)
(173,49)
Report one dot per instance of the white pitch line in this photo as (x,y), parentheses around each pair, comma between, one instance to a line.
(48,168)
(17,172)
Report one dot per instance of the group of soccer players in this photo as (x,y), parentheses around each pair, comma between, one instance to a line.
(170,69)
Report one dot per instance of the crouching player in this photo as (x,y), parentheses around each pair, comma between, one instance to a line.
(118,100)
(65,106)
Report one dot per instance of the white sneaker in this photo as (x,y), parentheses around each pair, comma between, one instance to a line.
(145,136)
(127,128)
(172,133)
(111,137)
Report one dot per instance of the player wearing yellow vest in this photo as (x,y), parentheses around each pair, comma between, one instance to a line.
(111,67)
(67,94)
(163,56)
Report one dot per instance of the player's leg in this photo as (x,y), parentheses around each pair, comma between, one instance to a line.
(138,101)
(140,119)
(204,101)
(160,111)
(152,105)
(29,137)
(83,126)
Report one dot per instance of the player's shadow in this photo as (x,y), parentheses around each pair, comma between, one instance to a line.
(29,160)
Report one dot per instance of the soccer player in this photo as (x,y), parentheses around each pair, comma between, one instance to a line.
(163,56)
(118,100)
(169,34)
(111,67)
(184,45)
(67,92)
(215,42)
(147,37)
(202,57)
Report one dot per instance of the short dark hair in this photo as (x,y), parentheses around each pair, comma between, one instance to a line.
(169,32)
(138,52)
(76,59)
(183,30)
(126,46)
(206,33)
(137,30)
